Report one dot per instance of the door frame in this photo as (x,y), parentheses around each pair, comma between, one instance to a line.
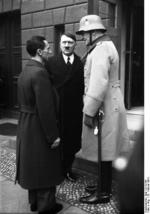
(131,8)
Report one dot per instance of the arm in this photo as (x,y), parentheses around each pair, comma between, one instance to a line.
(45,104)
(98,82)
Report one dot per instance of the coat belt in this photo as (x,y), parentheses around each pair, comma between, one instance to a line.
(27,109)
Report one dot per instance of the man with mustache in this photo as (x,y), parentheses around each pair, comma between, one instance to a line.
(66,70)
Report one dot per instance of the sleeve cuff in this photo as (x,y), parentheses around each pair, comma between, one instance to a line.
(91,106)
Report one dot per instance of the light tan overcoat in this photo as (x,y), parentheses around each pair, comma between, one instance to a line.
(102,90)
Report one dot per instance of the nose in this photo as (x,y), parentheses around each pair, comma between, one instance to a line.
(67,44)
(67,47)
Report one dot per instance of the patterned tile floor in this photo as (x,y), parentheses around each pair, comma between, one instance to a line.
(71,192)
(68,193)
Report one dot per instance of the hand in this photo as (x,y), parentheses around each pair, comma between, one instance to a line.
(89,121)
(55,143)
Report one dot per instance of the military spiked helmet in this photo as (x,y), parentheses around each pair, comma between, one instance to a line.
(89,23)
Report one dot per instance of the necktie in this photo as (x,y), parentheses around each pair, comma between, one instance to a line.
(68,63)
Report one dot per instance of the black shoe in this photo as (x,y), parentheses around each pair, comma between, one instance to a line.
(91,189)
(93,199)
(71,176)
(57,207)
(54,210)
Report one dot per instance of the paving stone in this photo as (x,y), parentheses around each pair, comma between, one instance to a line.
(13,198)
(2,178)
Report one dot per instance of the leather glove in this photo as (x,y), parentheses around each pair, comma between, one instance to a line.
(89,121)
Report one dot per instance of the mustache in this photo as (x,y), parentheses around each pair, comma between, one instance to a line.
(67,48)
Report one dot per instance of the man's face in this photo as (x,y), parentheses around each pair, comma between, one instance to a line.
(45,53)
(86,38)
(67,45)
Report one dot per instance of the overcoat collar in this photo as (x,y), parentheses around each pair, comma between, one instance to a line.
(32,62)
(91,47)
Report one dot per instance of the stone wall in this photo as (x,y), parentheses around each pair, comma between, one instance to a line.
(41,16)
(9,5)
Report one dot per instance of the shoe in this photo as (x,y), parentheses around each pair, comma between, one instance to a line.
(71,176)
(91,189)
(93,199)
(55,209)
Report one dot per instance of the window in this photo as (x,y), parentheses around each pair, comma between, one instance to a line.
(58,31)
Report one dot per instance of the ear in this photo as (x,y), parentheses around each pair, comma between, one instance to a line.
(39,52)
(94,33)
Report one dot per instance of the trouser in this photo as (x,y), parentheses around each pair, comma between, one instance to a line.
(67,162)
(106,176)
(43,199)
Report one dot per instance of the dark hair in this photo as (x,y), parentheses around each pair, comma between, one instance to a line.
(36,42)
(70,35)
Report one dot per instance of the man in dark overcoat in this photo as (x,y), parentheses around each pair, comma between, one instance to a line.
(67,73)
(38,161)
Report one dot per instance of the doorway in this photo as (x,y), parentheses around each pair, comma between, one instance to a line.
(134,80)
(10,58)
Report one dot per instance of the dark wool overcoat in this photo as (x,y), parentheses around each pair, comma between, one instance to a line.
(38,166)
(70,87)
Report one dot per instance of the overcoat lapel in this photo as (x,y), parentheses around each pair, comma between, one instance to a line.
(91,47)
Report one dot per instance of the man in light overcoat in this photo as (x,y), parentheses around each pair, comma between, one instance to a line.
(102,92)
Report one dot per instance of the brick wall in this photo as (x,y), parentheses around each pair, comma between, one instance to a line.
(40,17)
(9,5)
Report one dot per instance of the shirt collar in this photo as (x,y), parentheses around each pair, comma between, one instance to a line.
(66,58)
